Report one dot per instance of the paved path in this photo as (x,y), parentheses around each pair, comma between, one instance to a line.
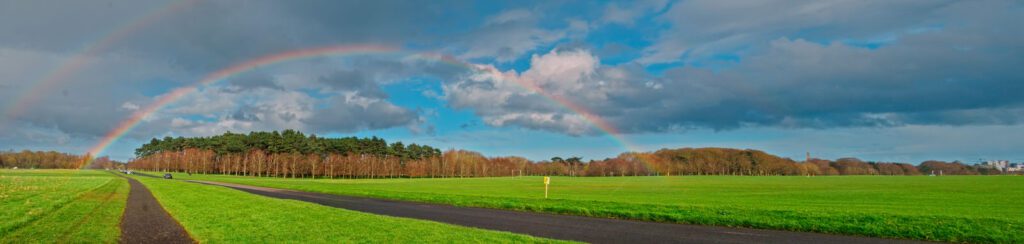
(145,221)
(587,229)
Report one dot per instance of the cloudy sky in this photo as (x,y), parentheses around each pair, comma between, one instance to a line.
(879,80)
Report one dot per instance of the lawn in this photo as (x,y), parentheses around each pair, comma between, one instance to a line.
(61,206)
(946,208)
(213,214)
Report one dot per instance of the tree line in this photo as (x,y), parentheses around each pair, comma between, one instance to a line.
(292,154)
(53,160)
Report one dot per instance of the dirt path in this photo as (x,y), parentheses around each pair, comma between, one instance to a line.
(145,221)
(595,230)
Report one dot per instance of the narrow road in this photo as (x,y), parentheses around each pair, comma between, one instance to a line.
(565,227)
(145,221)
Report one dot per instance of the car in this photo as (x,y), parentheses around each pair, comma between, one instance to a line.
(168,176)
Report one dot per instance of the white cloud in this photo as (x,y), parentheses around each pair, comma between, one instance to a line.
(653,85)
(506,98)
(130,106)
(561,72)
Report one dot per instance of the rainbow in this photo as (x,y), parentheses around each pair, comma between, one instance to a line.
(334,51)
(75,63)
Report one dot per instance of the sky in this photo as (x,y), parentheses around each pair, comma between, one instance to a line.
(900,81)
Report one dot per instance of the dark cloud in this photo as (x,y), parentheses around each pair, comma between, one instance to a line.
(247,113)
(701,29)
(81,106)
(252,80)
(352,80)
(801,84)
(349,114)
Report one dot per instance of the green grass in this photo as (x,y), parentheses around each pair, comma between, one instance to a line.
(48,206)
(947,208)
(222,215)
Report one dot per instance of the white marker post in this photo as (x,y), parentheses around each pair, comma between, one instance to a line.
(547,181)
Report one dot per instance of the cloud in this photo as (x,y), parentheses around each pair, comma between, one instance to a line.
(699,29)
(353,81)
(351,113)
(561,72)
(81,105)
(509,35)
(130,106)
(504,98)
(515,15)
(340,108)
(253,80)
(28,134)
(627,13)
(947,77)
(800,84)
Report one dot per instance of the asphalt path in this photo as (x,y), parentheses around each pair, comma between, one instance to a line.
(565,227)
(145,221)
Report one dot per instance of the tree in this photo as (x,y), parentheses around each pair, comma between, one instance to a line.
(573,163)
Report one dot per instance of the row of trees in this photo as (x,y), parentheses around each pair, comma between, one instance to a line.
(256,162)
(725,161)
(52,160)
(41,159)
(292,154)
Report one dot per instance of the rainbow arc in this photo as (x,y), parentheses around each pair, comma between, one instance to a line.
(164,100)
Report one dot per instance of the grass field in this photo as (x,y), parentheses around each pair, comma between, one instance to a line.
(60,206)
(947,208)
(213,214)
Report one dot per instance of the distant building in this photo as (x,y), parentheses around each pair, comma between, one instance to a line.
(1015,167)
(1001,165)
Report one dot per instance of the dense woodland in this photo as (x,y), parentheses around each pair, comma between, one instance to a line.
(293,154)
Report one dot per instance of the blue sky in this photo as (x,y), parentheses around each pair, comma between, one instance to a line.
(902,81)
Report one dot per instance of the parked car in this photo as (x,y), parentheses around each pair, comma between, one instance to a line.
(168,176)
